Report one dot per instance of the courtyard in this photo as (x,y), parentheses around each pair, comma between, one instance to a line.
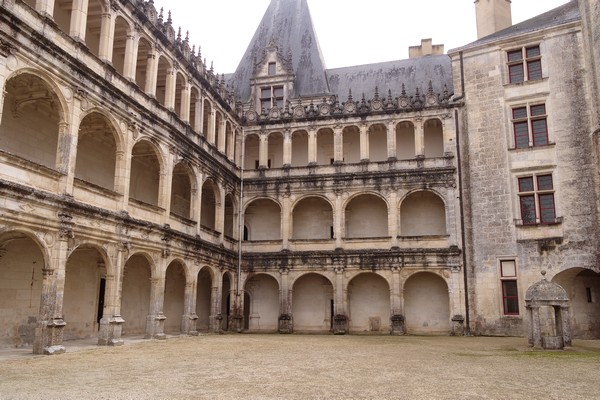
(305,367)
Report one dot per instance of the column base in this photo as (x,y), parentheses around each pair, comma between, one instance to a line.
(49,337)
(188,324)
(340,324)
(458,325)
(286,324)
(236,323)
(155,327)
(110,331)
(397,322)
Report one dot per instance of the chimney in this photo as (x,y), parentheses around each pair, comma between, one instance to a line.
(492,16)
(425,49)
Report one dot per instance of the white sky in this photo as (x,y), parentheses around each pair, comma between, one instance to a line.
(350,32)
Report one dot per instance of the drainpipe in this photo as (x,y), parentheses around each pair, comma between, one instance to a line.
(462,78)
(240,222)
(462,222)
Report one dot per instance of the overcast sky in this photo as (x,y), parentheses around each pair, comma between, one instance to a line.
(350,32)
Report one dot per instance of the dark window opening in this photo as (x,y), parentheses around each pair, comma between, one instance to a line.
(588,294)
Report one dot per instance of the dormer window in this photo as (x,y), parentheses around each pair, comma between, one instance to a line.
(271,96)
(272,68)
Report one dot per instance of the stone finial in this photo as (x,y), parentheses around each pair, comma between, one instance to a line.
(179,34)
(169,20)
(350,95)
(160,15)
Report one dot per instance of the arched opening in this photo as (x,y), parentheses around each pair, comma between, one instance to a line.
(85,285)
(203,299)
(218,130)
(62,15)
(21,278)
(181,191)
(275,150)
(426,304)
(208,217)
(194,109)
(162,71)
(179,88)
(230,217)
(206,124)
(226,302)
(312,218)
(141,68)
(369,304)
(135,297)
(377,142)
(174,297)
(583,288)
(263,219)
(251,152)
(405,141)
(421,214)
(366,216)
(120,44)
(93,26)
(264,303)
(351,135)
(30,120)
(325,146)
(96,151)
(434,138)
(312,305)
(145,174)
(300,149)
(229,141)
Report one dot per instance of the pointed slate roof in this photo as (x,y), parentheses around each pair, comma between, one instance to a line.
(289,24)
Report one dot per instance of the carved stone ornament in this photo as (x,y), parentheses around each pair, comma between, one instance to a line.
(251,116)
(299,111)
(324,109)
(349,107)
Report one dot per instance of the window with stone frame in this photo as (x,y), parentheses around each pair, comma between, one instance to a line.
(524,64)
(271,96)
(536,200)
(510,292)
(530,126)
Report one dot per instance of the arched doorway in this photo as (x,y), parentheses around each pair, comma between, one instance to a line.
(135,298)
(174,297)
(369,304)
(312,305)
(263,291)
(203,299)
(426,304)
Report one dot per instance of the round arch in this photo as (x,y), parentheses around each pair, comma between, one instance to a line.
(426,304)
(312,303)
(147,166)
(366,215)
(262,312)
(262,217)
(174,296)
(312,218)
(422,213)
(139,269)
(369,303)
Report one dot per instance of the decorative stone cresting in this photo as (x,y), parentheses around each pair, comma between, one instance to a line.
(548,294)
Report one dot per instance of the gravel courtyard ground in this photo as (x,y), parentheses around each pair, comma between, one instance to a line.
(308,367)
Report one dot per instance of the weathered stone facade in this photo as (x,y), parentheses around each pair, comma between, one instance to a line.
(143,194)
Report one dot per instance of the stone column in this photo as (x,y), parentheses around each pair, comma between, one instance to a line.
(536,329)
(184,110)
(391,140)
(212,126)
(455,299)
(287,148)
(107,37)
(130,62)
(220,214)
(338,220)
(216,318)
(49,331)
(419,139)
(263,150)
(170,89)
(164,186)
(155,322)
(338,145)
(393,230)
(286,223)
(312,147)
(45,7)
(199,180)
(111,324)
(396,296)
(200,114)
(340,318)
(364,142)
(222,140)
(197,115)
(79,19)
(566,325)
(151,73)
(123,174)
(286,324)
(189,317)
(529,313)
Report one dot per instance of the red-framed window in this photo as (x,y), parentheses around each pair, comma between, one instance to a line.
(536,200)
(510,291)
(530,125)
(524,64)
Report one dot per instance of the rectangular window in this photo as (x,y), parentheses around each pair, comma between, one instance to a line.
(530,126)
(270,97)
(510,293)
(536,200)
(272,68)
(588,294)
(524,68)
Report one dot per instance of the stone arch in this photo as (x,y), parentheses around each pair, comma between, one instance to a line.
(433,138)
(299,148)
(325,146)
(426,304)
(251,151)
(312,303)
(377,142)
(263,293)
(227,286)
(405,140)
(369,303)
(218,129)
(312,218)
(229,140)
(205,282)
(174,300)
(351,144)
(97,148)
(262,216)
(422,213)
(146,169)
(366,215)
(182,188)
(211,201)
(123,30)
(93,26)
(35,138)
(24,257)
(85,289)
(135,293)
(275,151)
(583,288)
(144,50)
